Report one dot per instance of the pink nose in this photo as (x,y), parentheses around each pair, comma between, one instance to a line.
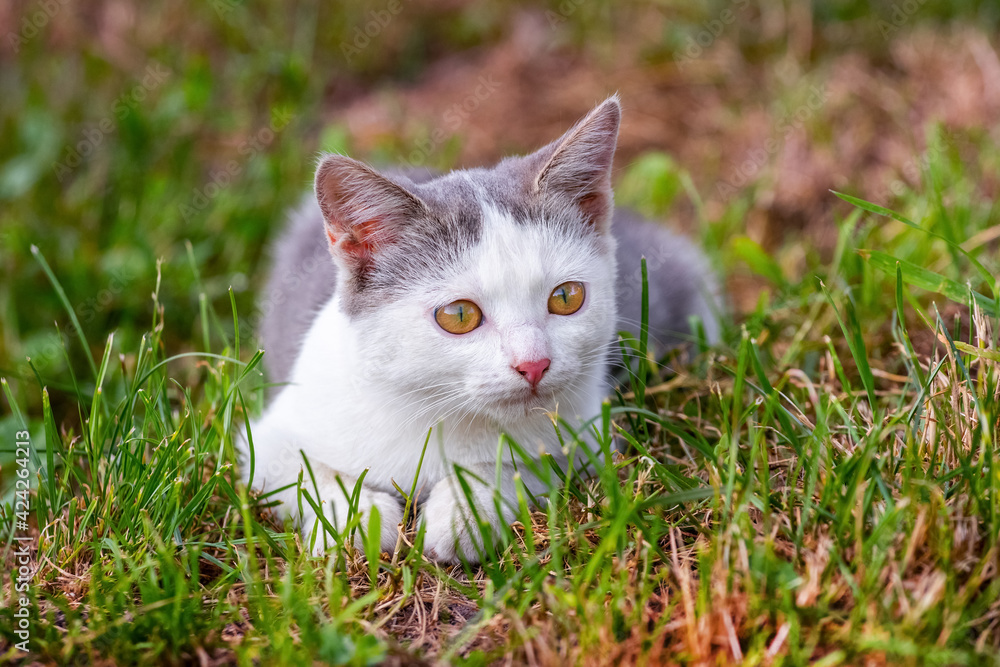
(533,371)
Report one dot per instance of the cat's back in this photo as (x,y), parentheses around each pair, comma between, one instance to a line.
(302,280)
(681,282)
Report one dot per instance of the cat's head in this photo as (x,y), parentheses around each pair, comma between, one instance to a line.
(483,291)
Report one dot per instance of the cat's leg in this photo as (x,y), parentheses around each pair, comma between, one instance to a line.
(451,528)
(452,531)
(336,507)
(279,464)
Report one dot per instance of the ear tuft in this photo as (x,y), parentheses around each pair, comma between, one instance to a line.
(580,166)
(362,209)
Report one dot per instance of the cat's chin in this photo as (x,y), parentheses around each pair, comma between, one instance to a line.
(520,405)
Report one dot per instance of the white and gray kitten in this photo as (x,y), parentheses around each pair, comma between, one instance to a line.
(471,304)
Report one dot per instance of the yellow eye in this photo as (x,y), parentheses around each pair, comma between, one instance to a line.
(567,298)
(459,317)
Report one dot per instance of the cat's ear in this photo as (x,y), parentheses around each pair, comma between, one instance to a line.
(579,168)
(363,210)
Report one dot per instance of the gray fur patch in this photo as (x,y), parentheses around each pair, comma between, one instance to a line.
(303,278)
(425,250)
(681,283)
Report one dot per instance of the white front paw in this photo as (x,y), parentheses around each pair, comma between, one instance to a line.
(336,509)
(452,532)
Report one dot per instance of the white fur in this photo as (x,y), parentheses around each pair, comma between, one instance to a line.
(364,392)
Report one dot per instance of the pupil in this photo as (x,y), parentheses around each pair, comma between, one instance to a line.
(563,295)
(461,314)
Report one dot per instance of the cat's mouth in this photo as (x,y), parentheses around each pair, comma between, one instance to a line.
(528,399)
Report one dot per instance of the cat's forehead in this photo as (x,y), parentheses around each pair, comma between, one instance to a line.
(497,224)
(454,201)
(510,246)
(484,229)
(505,186)
(474,201)
(460,198)
(514,263)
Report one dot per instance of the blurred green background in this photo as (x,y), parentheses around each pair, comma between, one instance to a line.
(178,131)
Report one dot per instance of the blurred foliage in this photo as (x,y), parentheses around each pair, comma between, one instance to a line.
(183,131)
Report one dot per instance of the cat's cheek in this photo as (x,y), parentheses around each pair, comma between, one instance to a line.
(378,362)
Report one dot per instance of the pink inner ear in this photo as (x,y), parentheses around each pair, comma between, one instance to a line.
(593,205)
(361,240)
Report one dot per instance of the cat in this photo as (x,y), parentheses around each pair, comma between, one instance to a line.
(466,305)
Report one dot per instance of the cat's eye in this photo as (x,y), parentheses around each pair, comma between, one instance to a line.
(567,298)
(458,317)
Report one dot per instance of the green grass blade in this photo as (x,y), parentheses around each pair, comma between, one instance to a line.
(69,309)
(984,273)
(928,280)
